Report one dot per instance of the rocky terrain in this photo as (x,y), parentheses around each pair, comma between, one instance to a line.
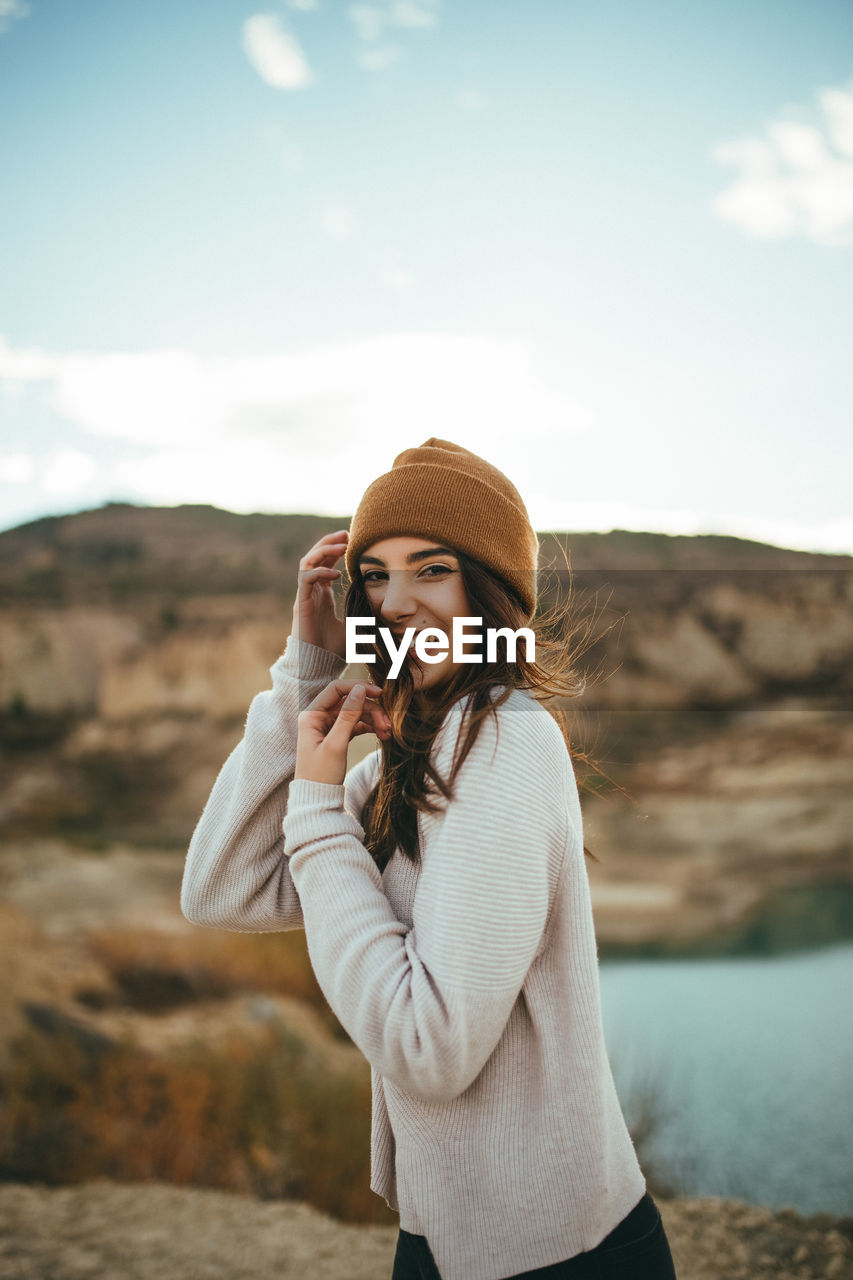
(155,1232)
(131,642)
(718,706)
(719,690)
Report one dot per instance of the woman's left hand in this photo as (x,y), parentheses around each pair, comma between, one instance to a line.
(345,709)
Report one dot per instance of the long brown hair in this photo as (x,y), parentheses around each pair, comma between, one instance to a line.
(408,781)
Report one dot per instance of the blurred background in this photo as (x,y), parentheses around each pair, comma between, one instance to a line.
(246,257)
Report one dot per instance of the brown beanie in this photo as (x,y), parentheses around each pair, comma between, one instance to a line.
(443,491)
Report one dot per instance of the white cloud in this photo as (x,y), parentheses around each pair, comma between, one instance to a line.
(134,396)
(280,474)
(275,54)
(378,57)
(257,430)
(10,11)
(16,468)
(302,6)
(414,13)
(838,107)
(26,364)
(337,221)
(831,536)
(368,20)
(373,22)
(797,180)
(67,471)
(549,511)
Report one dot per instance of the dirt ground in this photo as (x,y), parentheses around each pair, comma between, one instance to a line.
(158,1232)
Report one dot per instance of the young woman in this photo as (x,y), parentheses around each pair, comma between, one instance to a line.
(442,888)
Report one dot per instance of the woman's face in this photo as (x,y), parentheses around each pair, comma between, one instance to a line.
(415,582)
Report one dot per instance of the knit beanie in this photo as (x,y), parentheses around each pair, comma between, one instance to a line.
(443,491)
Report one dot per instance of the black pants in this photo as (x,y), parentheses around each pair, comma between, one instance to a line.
(636,1249)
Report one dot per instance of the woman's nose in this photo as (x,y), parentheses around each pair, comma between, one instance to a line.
(399,601)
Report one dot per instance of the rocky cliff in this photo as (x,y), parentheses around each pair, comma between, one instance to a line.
(127,612)
(719,688)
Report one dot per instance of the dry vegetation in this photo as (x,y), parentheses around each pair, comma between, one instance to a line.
(135,1047)
(154,970)
(258,1118)
(91,1090)
(185,1055)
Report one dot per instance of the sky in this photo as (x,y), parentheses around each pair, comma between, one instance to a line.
(248,255)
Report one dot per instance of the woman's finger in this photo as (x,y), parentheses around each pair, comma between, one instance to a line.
(332,545)
(347,718)
(339,535)
(317,554)
(310,579)
(323,711)
(330,698)
(307,578)
(321,571)
(379,725)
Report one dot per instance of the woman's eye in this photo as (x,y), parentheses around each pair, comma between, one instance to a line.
(376,575)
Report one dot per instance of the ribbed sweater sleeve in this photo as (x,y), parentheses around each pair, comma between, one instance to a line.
(427,1005)
(235,875)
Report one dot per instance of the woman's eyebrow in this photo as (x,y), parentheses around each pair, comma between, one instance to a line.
(413,558)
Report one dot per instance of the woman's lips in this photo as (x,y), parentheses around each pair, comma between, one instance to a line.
(398,639)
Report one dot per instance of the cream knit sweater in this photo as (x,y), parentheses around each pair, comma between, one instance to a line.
(469,980)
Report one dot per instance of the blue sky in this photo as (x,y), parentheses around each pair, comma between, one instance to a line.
(247,255)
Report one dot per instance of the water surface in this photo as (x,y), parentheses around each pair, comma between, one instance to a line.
(751,1062)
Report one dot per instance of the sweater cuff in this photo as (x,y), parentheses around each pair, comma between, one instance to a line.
(309,662)
(315,810)
(304,793)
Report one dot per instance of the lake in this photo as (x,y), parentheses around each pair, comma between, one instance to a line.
(749,1063)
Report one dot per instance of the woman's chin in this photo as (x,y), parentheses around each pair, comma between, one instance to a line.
(426,678)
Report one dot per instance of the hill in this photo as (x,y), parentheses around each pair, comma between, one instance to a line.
(719,680)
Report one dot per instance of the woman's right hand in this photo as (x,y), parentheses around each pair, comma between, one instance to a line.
(314,618)
(316,622)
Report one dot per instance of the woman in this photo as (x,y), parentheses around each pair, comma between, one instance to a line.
(454,940)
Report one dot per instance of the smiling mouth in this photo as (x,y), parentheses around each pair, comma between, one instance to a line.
(399,639)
